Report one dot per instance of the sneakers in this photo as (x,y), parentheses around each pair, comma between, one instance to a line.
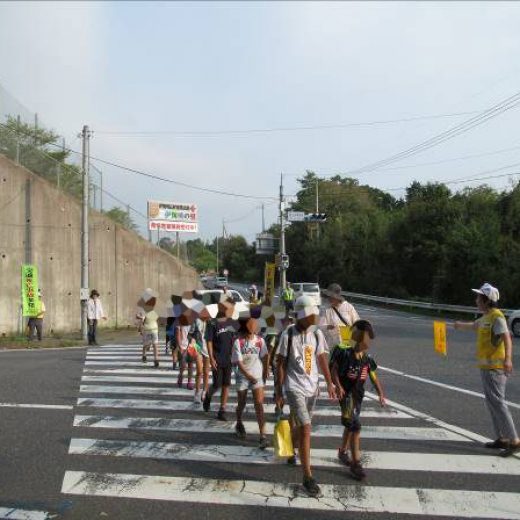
(292,460)
(198,397)
(156,364)
(240,430)
(263,444)
(311,487)
(174,365)
(206,403)
(221,415)
(497,444)
(190,385)
(357,471)
(512,449)
(144,358)
(343,457)
(179,381)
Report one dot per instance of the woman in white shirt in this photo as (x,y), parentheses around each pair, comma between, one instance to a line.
(339,313)
(94,313)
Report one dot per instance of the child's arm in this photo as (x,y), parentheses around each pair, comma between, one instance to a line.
(265,367)
(324,367)
(335,379)
(378,387)
(140,322)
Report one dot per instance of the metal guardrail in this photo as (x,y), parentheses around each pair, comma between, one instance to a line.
(418,304)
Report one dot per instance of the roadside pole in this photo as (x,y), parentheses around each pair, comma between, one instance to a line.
(85,135)
(317,209)
(283,281)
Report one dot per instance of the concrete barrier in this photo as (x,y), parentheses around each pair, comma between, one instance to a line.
(41,225)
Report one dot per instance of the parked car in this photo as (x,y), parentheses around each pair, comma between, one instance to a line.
(221,282)
(213,296)
(514,323)
(309,289)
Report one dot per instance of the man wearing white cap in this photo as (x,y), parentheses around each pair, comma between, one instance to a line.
(302,349)
(494,355)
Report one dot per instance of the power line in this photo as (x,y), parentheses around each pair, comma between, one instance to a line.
(483,175)
(216,133)
(417,165)
(492,112)
(171,181)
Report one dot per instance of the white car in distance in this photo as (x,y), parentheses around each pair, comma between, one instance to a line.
(210,296)
(514,323)
(308,289)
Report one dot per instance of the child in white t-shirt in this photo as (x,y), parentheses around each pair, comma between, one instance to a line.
(251,356)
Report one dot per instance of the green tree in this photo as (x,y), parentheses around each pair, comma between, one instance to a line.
(37,150)
(121,217)
(201,256)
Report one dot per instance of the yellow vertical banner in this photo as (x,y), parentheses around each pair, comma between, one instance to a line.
(269,276)
(439,338)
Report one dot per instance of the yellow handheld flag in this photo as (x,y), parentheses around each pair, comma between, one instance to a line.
(283,446)
(439,338)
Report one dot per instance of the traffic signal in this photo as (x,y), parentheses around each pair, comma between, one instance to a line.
(316,217)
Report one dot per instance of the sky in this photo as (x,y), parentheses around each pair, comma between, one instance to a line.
(162,85)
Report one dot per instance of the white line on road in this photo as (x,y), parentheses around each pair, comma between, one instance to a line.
(146,369)
(432,420)
(37,406)
(137,357)
(434,502)
(11,513)
(442,385)
(386,460)
(215,426)
(190,406)
(151,379)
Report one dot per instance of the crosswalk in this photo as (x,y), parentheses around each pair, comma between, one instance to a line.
(136,435)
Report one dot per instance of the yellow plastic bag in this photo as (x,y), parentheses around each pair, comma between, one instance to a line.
(345,333)
(283,446)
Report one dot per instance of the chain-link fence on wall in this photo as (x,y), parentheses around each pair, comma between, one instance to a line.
(24,140)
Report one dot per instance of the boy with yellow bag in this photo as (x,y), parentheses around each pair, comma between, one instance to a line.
(301,351)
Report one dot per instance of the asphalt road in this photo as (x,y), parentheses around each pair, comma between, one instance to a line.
(35,463)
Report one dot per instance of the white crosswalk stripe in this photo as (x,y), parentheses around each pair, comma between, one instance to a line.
(132,411)
(13,513)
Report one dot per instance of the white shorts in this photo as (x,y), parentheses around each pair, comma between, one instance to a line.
(243,383)
(150,337)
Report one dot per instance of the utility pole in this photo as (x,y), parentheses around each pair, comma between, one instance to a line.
(217,255)
(85,136)
(101,191)
(317,209)
(283,281)
(263,217)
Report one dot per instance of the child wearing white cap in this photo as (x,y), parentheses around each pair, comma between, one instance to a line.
(494,355)
(148,325)
(301,351)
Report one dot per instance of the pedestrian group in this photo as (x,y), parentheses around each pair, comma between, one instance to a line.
(214,337)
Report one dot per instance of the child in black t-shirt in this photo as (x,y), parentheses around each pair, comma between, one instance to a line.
(350,368)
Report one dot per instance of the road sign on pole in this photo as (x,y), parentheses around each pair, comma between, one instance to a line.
(295,216)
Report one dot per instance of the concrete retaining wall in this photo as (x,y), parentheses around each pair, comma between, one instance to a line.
(41,225)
